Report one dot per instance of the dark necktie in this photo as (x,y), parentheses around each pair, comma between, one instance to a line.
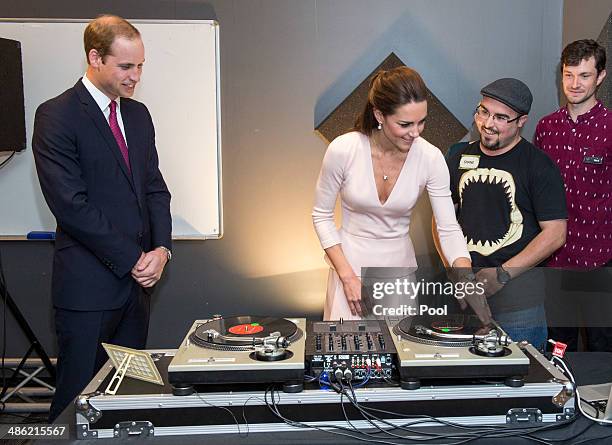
(114,126)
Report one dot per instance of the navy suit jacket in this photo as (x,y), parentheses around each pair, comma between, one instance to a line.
(106,216)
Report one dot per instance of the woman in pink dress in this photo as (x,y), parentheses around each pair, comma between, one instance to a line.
(380,169)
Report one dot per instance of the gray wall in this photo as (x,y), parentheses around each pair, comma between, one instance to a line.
(584,19)
(284,65)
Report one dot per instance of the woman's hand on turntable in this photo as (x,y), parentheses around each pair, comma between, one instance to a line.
(488,277)
(352,291)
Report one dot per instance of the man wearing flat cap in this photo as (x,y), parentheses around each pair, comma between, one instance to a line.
(511,207)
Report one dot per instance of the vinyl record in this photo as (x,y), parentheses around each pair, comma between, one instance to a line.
(459,324)
(242,332)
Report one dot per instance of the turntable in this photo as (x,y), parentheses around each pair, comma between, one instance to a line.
(453,347)
(238,350)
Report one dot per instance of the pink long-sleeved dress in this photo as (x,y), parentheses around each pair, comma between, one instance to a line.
(375,234)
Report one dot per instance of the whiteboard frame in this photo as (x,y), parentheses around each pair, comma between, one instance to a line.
(215,25)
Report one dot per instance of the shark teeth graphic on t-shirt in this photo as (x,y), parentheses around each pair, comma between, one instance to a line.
(505,179)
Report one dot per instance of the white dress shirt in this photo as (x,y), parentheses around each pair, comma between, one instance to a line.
(104,103)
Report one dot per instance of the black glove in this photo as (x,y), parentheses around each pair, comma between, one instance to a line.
(479,304)
(472,295)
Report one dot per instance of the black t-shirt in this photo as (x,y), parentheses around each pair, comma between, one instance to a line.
(501,199)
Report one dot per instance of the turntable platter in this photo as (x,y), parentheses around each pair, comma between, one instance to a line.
(240,332)
(458,324)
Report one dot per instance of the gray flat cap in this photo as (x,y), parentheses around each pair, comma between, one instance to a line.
(511,92)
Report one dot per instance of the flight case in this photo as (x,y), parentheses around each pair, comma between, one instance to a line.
(145,409)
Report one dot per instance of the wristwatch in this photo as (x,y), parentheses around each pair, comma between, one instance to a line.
(168,251)
(503,276)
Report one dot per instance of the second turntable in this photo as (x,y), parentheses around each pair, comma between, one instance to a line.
(455,347)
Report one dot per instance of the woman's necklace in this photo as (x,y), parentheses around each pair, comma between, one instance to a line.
(380,157)
(381,163)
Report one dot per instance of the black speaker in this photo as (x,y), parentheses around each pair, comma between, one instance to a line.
(12,111)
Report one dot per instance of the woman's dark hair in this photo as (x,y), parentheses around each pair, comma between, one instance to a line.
(388,91)
(580,50)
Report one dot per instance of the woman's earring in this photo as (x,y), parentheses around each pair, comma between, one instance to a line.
(379,126)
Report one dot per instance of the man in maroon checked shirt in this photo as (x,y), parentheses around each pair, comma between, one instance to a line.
(578,137)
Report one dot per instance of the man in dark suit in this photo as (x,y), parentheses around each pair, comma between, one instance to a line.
(98,169)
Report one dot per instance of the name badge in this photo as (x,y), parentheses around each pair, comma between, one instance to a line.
(468,162)
(593,160)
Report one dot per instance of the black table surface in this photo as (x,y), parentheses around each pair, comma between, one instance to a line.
(588,368)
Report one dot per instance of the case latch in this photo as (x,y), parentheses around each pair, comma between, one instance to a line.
(123,430)
(521,415)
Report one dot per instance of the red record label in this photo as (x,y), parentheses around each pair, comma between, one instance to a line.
(246,329)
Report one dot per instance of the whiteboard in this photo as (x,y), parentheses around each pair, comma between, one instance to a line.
(179,85)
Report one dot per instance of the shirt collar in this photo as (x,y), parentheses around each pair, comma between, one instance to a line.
(101,99)
(594,111)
